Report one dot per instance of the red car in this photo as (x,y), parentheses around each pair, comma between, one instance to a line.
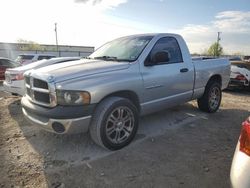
(5,64)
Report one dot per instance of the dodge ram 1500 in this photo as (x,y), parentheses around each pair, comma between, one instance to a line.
(131,76)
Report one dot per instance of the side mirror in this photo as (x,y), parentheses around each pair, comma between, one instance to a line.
(160,57)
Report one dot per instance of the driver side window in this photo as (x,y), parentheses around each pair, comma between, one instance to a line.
(170,45)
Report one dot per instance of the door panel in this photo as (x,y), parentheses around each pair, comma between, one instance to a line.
(169,83)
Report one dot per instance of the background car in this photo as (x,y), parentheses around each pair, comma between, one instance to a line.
(235,59)
(25,59)
(246,58)
(14,80)
(240,168)
(240,74)
(5,64)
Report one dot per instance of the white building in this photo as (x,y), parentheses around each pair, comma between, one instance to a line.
(12,50)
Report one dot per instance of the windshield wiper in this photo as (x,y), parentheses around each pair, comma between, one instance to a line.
(111,58)
(87,57)
(127,60)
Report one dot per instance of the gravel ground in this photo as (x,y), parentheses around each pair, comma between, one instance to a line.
(178,147)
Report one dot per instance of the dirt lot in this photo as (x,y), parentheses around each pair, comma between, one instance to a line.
(178,147)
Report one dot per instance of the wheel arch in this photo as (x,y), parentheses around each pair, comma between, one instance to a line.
(215,78)
(127,94)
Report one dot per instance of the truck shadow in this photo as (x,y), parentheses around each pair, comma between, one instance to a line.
(238,91)
(63,152)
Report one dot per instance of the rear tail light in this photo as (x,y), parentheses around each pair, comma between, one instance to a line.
(245,137)
(240,77)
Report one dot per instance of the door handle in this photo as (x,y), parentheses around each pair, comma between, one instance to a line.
(184,70)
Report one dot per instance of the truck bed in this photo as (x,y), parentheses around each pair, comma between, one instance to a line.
(204,69)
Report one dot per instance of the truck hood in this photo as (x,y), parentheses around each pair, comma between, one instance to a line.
(72,70)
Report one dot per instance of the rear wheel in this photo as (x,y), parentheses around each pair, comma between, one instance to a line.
(211,99)
(114,123)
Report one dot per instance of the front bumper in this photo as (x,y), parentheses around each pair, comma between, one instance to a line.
(234,82)
(60,120)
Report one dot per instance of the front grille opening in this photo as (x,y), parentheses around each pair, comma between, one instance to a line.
(40,84)
(42,97)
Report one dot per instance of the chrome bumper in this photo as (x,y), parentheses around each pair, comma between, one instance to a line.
(76,125)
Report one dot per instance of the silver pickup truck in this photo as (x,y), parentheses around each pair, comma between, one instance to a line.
(131,76)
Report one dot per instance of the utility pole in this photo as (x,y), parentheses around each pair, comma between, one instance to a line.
(56,37)
(218,43)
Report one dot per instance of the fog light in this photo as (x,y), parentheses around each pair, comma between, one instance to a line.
(58,127)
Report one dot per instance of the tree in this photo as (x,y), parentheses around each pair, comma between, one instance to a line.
(28,45)
(215,50)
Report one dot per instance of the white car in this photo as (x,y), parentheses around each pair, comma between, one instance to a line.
(14,80)
(240,75)
(239,174)
(25,59)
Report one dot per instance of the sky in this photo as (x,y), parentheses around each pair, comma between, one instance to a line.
(94,22)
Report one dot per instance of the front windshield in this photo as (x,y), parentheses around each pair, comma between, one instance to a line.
(122,49)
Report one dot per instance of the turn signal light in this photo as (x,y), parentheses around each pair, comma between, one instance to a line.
(245,137)
(240,77)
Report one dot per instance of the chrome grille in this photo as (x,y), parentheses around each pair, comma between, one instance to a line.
(28,92)
(40,91)
(27,80)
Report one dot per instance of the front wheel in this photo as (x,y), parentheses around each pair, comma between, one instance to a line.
(211,99)
(114,123)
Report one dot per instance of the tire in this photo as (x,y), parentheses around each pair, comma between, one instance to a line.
(114,123)
(211,99)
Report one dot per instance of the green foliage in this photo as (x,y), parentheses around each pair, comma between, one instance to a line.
(215,50)
(28,45)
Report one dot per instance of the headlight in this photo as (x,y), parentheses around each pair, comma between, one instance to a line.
(72,97)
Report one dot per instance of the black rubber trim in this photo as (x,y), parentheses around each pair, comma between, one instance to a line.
(58,112)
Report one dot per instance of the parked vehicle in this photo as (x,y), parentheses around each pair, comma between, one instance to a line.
(239,174)
(25,59)
(246,58)
(5,64)
(14,79)
(240,75)
(125,78)
(235,59)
